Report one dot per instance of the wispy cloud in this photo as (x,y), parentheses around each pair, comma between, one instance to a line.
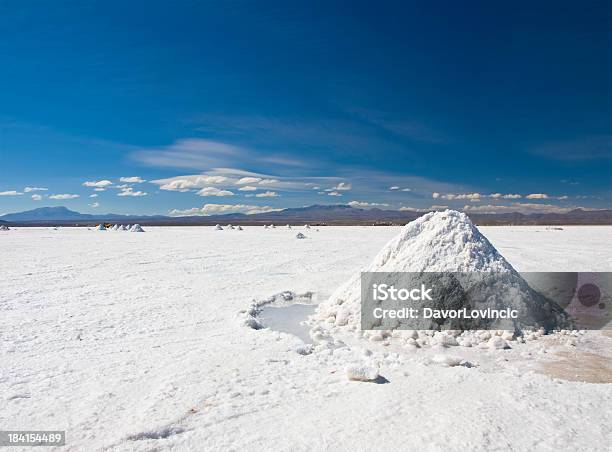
(10,193)
(31,189)
(519,207)
(36,197)
(214,191)
(130,192)
(364,204)
(596,147)
(267,194)
(220,209)
(97,183)
(64,196)
(132,180)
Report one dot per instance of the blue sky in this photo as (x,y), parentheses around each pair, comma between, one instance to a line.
(474,105)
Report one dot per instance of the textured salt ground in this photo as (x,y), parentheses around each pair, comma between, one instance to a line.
(129,342)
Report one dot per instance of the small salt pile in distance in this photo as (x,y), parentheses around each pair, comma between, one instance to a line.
(239,228)
(218,227)
(136,228)
(4,228)
(288,226)
(100,227)
(306,226)
(441,242)
(265,226)
(115,228)
(229,226)
(300,236)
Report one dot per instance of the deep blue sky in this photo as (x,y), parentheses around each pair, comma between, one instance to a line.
(451,98)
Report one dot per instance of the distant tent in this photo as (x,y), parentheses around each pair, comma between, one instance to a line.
(136,228)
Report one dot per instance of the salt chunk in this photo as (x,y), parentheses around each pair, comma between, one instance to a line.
(362,373)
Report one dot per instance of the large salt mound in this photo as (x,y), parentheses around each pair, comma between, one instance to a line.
(442,242)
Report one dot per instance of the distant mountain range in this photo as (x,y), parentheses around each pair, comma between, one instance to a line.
(316,214)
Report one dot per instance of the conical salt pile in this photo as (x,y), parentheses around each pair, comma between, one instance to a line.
(4,228)
(124,227)
(265,226)
(100,227)
(136,228)
(300,236)
(306,226)
(115,228)
(218,228)
(239,228)
(288,226)
(445,242)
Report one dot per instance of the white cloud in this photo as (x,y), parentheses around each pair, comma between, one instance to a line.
(537,196)
(316,187)
(99,189)
(186,183)
(30,189)
(132,180)
(435,195)
(247,188)
(95,195)
(98,183)
(131,192)
(343,186)
(518,207)
(268,181)
(395,187)
(562,197)
(512,196)
(406,189)
(470,196)
(366,204)
(220,209)
(64,196)
(426,209)
(95,204)
(36,197)
(334,193)
(214,191)
(10,193)
(267,194)
(248,180)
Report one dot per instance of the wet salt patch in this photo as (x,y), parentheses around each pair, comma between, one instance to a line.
(288,319)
